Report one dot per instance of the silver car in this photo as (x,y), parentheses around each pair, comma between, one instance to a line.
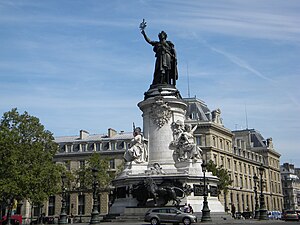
(168,215)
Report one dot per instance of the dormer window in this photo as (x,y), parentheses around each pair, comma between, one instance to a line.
(91,147)
(76,148)
(120,145)
(62,148)
(105,146)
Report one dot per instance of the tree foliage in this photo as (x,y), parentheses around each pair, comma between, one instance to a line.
(223,175)
(103,176)
(27,170)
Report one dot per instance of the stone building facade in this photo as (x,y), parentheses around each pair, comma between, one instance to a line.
(74,152)
(241,153)
(290,186)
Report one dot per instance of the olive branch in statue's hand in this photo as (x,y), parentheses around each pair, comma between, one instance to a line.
(143,25)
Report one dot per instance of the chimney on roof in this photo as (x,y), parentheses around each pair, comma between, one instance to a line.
(83,134)
(111,132)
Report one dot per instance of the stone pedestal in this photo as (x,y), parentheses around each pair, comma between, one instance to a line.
(162,107)
(159,112)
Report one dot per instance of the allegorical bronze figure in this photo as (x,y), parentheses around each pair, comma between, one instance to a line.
(165,71)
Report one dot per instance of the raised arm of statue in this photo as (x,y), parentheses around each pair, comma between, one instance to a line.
(146,38)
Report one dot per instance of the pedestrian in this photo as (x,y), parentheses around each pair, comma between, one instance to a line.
(186,208)
(191,208)
(233,210)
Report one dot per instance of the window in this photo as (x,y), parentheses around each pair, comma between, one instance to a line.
(222,161)
(81,204)
(81,164)
(76,148)
(227,145)
(112,164)
(68,203)
(221,144)
(91,147)
(214,142)
(198,140)
(62,148)
(241,177)
(120,145)
(51,206)
(36,210)
(215,159)
(105,146)
(228,163)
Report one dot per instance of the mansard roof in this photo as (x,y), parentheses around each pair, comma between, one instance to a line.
(197,109)
(94,137)
(256,138)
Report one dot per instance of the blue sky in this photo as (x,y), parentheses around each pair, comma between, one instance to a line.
(84,64)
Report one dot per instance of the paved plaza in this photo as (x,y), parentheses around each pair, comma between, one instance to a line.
(244,222)
(237,221)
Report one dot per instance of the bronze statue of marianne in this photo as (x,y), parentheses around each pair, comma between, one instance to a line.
(165,71)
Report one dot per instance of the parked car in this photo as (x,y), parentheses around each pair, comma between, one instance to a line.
(274,215)
(290,215)
(14,220)
(168,215)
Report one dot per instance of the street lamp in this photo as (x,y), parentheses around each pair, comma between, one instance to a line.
(256,213)
(63,214)
(263,215)
(205,210)
(95,214)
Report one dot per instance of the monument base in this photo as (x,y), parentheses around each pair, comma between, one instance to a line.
(171,174)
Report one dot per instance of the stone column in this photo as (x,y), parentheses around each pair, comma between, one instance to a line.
(159,113)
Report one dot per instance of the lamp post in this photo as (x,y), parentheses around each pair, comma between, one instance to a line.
(256,213)
(205,210)
(95,214)
(63,214)
(263,215)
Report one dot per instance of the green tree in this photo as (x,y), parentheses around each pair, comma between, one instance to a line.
(27,170)
(224,178)
(103,176)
